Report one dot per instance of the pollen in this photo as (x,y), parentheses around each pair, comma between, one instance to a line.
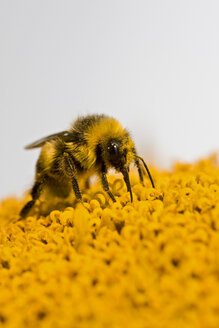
(152,263)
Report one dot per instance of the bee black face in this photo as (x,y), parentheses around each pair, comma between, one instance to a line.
(115,156)
(118,159)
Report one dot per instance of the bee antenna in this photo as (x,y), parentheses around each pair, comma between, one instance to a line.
(147,169)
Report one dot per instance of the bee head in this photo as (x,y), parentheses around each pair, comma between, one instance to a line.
(119,156)
(118,153)
(115,155)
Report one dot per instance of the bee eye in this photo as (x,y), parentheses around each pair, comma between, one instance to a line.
(114,152)
(114,149)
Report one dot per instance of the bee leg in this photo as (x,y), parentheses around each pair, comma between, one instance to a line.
(76,188)
(137,163)
(35,193)
(70,171)
(106,185)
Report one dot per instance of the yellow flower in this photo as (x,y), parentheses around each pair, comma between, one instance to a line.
(150,263)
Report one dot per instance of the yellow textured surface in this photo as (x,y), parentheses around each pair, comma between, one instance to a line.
(152,263)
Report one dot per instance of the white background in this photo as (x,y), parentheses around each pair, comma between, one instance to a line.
(154,65)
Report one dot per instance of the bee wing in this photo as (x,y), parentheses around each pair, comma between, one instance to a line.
(42,141)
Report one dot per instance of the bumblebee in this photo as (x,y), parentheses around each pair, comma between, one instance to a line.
(93,144)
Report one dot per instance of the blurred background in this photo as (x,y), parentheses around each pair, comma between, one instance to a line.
(153,65)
